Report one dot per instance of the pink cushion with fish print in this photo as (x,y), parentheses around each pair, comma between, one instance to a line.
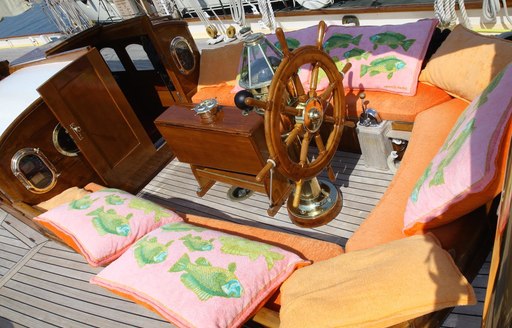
(466,165)
(197,277)
(103,224)
(383,58)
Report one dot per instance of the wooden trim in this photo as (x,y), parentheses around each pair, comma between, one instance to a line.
(231,178)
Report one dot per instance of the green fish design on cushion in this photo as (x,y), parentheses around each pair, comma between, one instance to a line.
(392,40)
(109,222)
(149,251)
(181,226)
(251,249)
(114,200)
(470,110)
(196,243)
(494,83)
(148,207)
(356,53)
(82,203)
(416,191)
(339,66)
(453,150)
(292,44)
(341,40)
(207,281)
(389,64)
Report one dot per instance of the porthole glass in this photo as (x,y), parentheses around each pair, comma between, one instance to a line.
(182,55)
(34,170)
(63,141)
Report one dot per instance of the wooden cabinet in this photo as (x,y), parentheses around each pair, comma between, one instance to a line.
(231,149)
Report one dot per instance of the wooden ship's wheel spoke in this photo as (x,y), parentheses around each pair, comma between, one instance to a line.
(327,94)
(314,80)
(304,148)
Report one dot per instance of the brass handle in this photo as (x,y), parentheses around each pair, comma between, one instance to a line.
(77,130)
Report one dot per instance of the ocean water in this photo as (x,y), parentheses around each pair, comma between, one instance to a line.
(32,22)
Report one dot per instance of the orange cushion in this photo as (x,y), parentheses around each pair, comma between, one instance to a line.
(221,92)
(308,248)
(466,62)
(396,107)
(385,222)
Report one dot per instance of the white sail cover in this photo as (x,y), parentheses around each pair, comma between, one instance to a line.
(19,90)
(13,7)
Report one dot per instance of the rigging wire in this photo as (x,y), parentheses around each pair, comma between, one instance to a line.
(67,16)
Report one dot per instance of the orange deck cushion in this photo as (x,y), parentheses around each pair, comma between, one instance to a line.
(466,62)
(396,107)
(385,222)
(390,106)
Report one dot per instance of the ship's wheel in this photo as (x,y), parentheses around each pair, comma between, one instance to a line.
(296,116)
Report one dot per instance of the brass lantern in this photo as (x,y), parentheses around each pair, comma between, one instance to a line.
(260,59)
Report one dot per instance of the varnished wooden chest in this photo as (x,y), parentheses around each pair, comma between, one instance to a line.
(233,142)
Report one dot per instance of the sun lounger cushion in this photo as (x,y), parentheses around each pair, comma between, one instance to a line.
(467,62)
(384,58)
(376,287)
(103,224)
(464,174)
(197,277)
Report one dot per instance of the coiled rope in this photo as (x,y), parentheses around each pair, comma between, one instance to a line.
(445,12)
(237,12)
(490,9)
(267,14)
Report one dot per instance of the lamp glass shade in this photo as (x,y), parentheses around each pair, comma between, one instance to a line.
(260,59)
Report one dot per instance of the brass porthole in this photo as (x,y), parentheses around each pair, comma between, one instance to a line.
(63,142)
(34,170)
(182,54)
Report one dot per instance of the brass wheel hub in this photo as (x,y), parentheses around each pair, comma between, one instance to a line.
(313,115)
